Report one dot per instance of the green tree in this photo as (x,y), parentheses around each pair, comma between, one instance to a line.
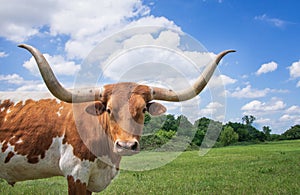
(153,123)
(267,132)
(248,120)
(292,133)
(198,138)
(185,127)
(228,136)
(241,130)
(170,123)
(147,118)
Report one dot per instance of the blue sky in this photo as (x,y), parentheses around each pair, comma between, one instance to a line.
(262,78)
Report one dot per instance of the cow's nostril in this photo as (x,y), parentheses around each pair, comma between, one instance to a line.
(120,144)
(135,146)
(129,145)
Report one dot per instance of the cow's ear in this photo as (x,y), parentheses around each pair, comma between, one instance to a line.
(96,108)
(155,109)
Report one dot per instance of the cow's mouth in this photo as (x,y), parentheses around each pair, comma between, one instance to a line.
(126,148)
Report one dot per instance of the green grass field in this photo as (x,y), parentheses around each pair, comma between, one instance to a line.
(269,168)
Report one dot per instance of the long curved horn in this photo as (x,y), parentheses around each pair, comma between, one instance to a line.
(76,96)
(202,80)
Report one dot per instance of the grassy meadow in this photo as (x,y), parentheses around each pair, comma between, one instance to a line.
(268,168)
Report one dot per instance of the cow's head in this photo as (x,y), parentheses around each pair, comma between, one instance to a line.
(123,105)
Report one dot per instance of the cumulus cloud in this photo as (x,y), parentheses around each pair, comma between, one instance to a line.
(58,64)
(126,56)
(295,69)
(279,23)
(257,107)
(213,110)
(293,110)
(289,118)
(265,68)
(20,84)
(249,92)
(83,23)
(83,18)
(12,79)
(77,18)
(3,54)
(221,80)
(21,20)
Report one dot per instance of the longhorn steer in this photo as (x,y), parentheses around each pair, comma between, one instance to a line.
(40,139)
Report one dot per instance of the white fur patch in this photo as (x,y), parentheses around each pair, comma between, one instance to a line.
(59,160)
(18,168)
(59,110)
(19,141)
(97,174)
(8,111)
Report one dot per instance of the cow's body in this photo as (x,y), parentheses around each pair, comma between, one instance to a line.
(83,141)
(39,139)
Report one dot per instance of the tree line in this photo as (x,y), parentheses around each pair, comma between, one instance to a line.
(168,132)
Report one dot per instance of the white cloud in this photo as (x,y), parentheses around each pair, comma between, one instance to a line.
(257,107)
(221,80)
(58,64)
(295,119)
(157,51)
(85,18)
(268,67)
(3,54)
(33,86)
(295,70)
(291,115)
(249,92)
(272,21)
(213,110)
(21,20)
(263,121)
(83,21)
(293,110)
(21,84)
(88,22)
(80,47)
(12,79)
(166,39)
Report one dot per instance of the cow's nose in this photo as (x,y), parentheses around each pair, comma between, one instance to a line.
(127,147)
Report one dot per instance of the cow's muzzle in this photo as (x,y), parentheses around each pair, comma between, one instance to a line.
(126,148)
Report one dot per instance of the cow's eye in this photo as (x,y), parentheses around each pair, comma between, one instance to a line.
(144,110)
(108,110)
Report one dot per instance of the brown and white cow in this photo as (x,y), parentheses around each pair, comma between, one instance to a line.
(40,139)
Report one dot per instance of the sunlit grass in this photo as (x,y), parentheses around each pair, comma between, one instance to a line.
(270,168)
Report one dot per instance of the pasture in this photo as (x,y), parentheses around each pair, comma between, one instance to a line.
(268,168)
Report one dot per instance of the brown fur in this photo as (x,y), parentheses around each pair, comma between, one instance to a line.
(32,124)
(76,187)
